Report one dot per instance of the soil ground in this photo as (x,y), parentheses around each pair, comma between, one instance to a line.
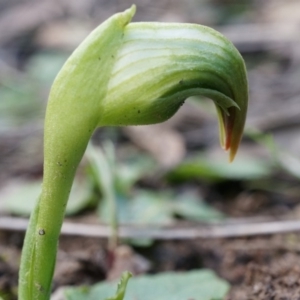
(257,268)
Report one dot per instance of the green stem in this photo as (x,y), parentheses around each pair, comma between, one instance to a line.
(69,125)
(40,246)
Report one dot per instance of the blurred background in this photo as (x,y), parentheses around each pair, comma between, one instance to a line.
(167,173)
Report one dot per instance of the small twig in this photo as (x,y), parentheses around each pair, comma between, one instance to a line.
(220,230)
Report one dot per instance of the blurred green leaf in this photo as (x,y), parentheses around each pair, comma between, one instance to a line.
(19,197)
(44,66)
(159,208)
(116,184)
(111,175)
(23,99)
(102,165)
(284,160)
(266,140)
(19,102)
(136,205)
(190,207)
(243,168)
(102,169)
(289,163)
(143,207)
(196,285)
(81,196)
(133,170)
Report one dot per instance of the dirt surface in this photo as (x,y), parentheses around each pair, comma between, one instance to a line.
(266,268)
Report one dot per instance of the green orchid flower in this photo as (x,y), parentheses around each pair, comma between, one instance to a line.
(124,74)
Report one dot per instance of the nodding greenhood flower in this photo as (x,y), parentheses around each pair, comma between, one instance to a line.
(125,74)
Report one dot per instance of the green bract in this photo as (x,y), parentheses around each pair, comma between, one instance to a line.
(124,74)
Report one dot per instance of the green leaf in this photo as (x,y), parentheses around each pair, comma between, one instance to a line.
(266,140)
(243,168)
(190,207)
(20,197)
(121,287)
(196,285)
(132,170)
(102,167)
(44,66)
(81,197)
(19,103)
(111,176)
(140,206)
(143,207)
